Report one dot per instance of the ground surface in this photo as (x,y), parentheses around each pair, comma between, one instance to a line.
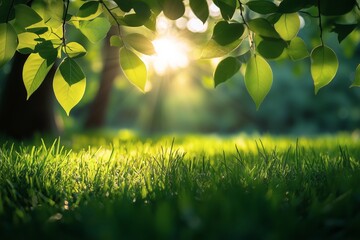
(182,187)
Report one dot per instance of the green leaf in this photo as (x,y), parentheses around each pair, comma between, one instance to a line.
(37,30)
(69,84)
(74,50)
(258,79)
(133,68)
(262,27)
(291,6)
(227,8)
(140,17)
(336,7)
(124,5)
(7,12)
(89,10)
(356,82)
(324,65)
(25,16)
(343,30)
(226,33)
(34,72)
(140,43)
(297,49)
(46,49)
(95,30)
(8,43)
(270,48)
(173,9)
(51,11)
(115,41)
(288,26)
(27,42)
(227,68)
(214,50)
(262,7)
(200,9)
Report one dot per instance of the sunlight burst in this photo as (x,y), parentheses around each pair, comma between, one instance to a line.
(171,54)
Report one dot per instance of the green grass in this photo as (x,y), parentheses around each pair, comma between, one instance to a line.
(187,187)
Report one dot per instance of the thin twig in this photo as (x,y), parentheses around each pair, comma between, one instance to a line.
(251,40)
(66,6)
(320,24)
(112,15)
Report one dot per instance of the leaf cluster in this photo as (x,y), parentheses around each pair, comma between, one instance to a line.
(264,30)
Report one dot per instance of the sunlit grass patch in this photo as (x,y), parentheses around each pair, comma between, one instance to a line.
(190,186)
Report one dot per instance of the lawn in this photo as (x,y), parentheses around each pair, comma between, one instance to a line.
(181,187)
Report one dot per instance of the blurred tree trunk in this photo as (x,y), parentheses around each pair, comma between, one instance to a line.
(21,118)
(97,111)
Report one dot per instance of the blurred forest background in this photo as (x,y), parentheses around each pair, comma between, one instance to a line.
(184,100)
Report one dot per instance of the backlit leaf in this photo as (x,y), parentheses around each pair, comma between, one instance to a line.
(74,49)
(227,68)
(115,41)
(140,43)
(297,49)
(324,65)
(95,30)
(25,16)
(356,82)
(200,9)
(27,42)
(262,7)
(89,10)
(226,33)
(8,43)
(133,68)
(51,11)
(34,72)
(69,84)
(288,26)
(173,9)
(258,79)
(214,50)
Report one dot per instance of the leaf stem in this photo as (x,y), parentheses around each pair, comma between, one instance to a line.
(320,23)
(112,15)
(11,6)
(251,39)
(66,9)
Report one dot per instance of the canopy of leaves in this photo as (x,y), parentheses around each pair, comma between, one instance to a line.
(246,32)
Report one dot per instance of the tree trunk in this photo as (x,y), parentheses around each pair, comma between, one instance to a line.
(21,118)
(97,111)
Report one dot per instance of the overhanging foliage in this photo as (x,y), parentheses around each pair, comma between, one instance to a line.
(266,29)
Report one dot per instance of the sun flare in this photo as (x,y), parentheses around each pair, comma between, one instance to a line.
(171,54)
